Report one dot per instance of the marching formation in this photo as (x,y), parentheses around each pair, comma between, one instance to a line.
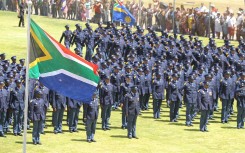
(133,66)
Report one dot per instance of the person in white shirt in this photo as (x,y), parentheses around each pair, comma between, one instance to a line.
(231,26)
(202,8)
(239,22)
(88,9)
(218,27)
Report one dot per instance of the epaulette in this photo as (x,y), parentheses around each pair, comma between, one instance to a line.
(185,83)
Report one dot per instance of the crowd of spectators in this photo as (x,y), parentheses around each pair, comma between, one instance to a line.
(200,21)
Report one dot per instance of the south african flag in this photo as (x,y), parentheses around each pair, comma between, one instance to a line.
(59,69)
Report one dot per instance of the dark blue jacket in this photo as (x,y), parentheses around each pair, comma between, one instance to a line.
(132,104)
(17,98)
(107,94)
(190,92)
(240,93)
(37,111)
(3,100)
(59,101)
(205,99)
(158,88)
(93,109)
(227,88)
(174,93)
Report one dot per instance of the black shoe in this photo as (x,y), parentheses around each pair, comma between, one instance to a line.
(35,143)
(104,129)
(55,132)
(108,128)
(19,134)
(123,127)
(75,130)
(89,141)
(135,137)
(43,132)
(223,122)
(226,121)
(93,140)
(71,131)
(15,134)
(130,137)
(39,143)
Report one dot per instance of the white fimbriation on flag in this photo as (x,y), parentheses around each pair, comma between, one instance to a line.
(29,3)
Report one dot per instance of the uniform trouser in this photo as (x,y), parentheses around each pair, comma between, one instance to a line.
(90,128)
(156,107)
(73,118)
(146,101)
(124,117)
(141,101)
(67,44)
(37,129)
(240,116)
(190,112)
(132,125)
(89,53)
(79,47)
(174,108)
(85,106)
(204,119)
(231,106)
(226,104)
(116,99)
(58,117)
(21,22)
(9,118)
(18,117)
(216,99)
(106,113)
(44,122)
(2,121)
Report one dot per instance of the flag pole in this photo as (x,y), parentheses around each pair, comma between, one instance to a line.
(29,3)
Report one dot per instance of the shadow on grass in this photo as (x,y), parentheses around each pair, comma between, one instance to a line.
(176,123)
(115,127)
(160,120)
(119,136)
(197,130)
(20,142)
(228,127)
(147,117)
(84,140)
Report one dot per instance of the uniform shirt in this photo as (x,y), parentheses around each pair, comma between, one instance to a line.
(205,99)
(37,112)
(3,100)
(132,103)
(17,98)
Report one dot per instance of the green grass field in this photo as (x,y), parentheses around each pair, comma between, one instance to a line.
(158,136)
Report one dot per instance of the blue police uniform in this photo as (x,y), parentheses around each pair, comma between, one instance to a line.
(92,116)
(158,95)
(240,97)
(67,34)
(37,115)
(190,99)
(132,112)
(17,104)
(59,104)
(175,98)
(106,103)
(226,95)
(125,89)
(74,108)
(3,107)
(205,100)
